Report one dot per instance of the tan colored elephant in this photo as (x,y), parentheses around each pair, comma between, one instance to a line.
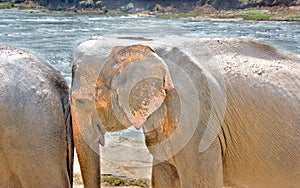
(36,146)
(215,112)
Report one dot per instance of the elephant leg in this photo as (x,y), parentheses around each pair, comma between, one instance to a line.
(200,169)
(164,175)
(88,158)
(8,179)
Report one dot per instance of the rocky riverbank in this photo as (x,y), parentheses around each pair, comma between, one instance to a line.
(208,13)
(197,13)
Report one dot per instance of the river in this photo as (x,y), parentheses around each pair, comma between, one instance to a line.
(54,35)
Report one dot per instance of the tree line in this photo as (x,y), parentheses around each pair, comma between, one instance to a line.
(218,4)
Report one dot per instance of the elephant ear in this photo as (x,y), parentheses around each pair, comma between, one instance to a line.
(138,80)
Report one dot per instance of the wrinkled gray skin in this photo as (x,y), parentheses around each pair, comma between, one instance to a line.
(36,148)
(248,93)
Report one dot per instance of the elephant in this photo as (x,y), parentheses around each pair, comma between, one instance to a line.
(215,112)
(36,139)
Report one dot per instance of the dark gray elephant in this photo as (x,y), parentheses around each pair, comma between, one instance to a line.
(36,146)
(216,113)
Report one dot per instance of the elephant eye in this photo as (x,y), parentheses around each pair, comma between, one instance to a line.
(80,101)
(84,104)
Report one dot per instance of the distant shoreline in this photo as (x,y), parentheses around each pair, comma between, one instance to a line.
(205,13)
(232,16)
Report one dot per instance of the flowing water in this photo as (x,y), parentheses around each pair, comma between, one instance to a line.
(53,36)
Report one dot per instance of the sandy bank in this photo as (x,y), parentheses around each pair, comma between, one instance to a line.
(122,157)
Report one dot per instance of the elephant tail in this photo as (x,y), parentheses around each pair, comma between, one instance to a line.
(70,140)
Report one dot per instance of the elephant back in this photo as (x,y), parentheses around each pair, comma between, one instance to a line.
(34,113)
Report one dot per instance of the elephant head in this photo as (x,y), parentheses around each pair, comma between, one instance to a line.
(112,90)
(130,87)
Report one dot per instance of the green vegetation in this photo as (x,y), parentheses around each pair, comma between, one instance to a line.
(183,15)
(108,180)
(295,17)
(114,181)
(157,7)
(130,6)
(77,179)
(5,6)
(250,15)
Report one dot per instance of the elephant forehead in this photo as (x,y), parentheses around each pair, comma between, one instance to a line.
(150,67)
(130,53)
(120,57)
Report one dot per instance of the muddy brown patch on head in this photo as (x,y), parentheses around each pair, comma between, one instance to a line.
(119,58)
(145,97)
(126,55)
